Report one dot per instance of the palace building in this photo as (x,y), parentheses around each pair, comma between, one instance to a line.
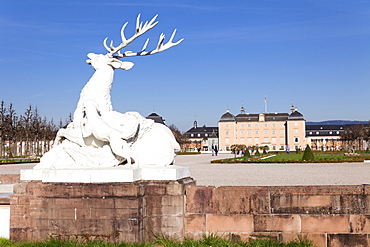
(278,131)
(201,138)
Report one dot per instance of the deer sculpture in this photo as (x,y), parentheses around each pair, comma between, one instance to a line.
(99,136)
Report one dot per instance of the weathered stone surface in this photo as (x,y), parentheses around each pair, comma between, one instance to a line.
(195,223)
(165,205)
(20,189)
(164,226)
(118,211)
(9,178)
(277,223)
(199,199)
(318,190)
(340,240)
(319,240)
(19,234)
(319,200)
(325,224)
(236,223)
(171,188)
(359,223)
(19,221)
(228,200)
(139,211)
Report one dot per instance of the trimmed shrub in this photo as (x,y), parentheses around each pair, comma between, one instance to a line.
(308,154)
(246,153)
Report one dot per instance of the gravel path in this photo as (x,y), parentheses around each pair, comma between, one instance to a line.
(206,173)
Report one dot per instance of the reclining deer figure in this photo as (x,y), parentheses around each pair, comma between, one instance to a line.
(130,136)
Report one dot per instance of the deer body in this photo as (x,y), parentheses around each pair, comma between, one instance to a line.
(102,136)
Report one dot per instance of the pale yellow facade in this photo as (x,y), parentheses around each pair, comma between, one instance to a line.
(278,131)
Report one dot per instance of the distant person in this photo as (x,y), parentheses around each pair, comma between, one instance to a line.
(216,150)
(213,150)
(288,149)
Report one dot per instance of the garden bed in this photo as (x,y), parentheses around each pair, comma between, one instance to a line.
(295,158)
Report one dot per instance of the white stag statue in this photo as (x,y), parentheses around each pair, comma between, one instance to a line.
(101,137)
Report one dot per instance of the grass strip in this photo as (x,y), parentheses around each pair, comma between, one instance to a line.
(206,241)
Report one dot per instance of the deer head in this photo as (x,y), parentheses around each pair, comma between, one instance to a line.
(98,61)
(114,53)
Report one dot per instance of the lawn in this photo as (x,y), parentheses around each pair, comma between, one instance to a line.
(18,160)
(320,157)
(207,241)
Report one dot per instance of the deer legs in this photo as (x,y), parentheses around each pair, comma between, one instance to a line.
(70,133)
(93,127)
(102,131)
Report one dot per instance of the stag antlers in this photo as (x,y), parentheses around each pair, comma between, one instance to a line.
(140,30)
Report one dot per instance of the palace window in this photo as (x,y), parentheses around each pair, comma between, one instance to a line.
(295,131)
(242,132)
(227,140)
(242,140)
(282,140)
(273,132)
(227,132)
(256,132)
(296,139)
(266,132)
(273,140)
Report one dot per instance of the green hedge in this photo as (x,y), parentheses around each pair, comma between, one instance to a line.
(187,153)
(235,161)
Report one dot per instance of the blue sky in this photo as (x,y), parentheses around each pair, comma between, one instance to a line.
(313,52)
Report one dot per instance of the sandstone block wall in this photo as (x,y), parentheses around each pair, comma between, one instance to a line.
(136,212)
(114,212)
(327,215)
(9,178)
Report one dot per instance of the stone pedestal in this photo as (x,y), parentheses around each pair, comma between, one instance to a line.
(109,174)
(114,212)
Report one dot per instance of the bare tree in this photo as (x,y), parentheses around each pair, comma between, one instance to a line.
(180,138)
(29,129)
(354,136)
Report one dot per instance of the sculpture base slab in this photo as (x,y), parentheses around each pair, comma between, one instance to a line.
(103,175)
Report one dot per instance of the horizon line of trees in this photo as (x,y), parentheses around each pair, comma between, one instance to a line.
(29,129)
